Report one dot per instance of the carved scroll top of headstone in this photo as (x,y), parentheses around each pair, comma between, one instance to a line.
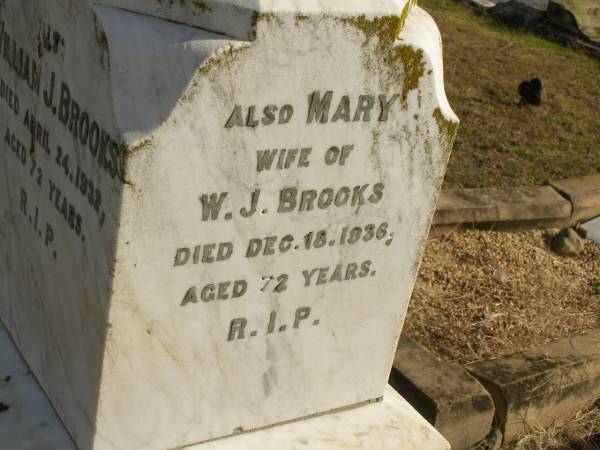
(238,18)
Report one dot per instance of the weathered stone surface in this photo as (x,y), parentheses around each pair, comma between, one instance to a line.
(241,19)
(490,205)
(535,387)
(445,394)
(206,233)
(482,4)
(584,194)
(30,423)
(520,13)
(580,17)
(388,425)
(540,5)
(567,242)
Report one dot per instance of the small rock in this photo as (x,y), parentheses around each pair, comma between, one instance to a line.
(500,273)
(567,242)
(531,92)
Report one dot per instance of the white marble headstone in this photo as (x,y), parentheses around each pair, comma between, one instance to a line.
(212,212)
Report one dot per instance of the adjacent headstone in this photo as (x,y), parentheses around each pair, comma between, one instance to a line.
(580,17)
(213,226)
(520,13)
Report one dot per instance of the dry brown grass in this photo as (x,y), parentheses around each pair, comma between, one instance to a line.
(581,431)
(483,294)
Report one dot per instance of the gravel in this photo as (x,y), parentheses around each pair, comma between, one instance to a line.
(483,294)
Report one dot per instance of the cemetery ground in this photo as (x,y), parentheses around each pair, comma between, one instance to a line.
(484,294)
(500,143)
(499,292)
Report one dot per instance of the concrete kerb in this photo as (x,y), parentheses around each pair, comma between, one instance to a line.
(529,389)
(560,204)
(584,195)
(536,387)
(451,399)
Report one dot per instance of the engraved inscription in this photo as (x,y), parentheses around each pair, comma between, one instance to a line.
(40,103)
(323,107)
(61,197)
(293,198)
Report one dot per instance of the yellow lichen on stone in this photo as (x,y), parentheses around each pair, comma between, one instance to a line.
(447,127)
(199,5)
(258,17)
(387,30)
(301,18)
(141,146)
(222,59)
(219,61)
(203,7)
(414,67)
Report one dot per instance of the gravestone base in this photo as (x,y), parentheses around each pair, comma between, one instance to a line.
(392,424)
(30,423)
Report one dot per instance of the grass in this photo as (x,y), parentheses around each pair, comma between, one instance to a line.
(500,143)
(581,431)
(481,294)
